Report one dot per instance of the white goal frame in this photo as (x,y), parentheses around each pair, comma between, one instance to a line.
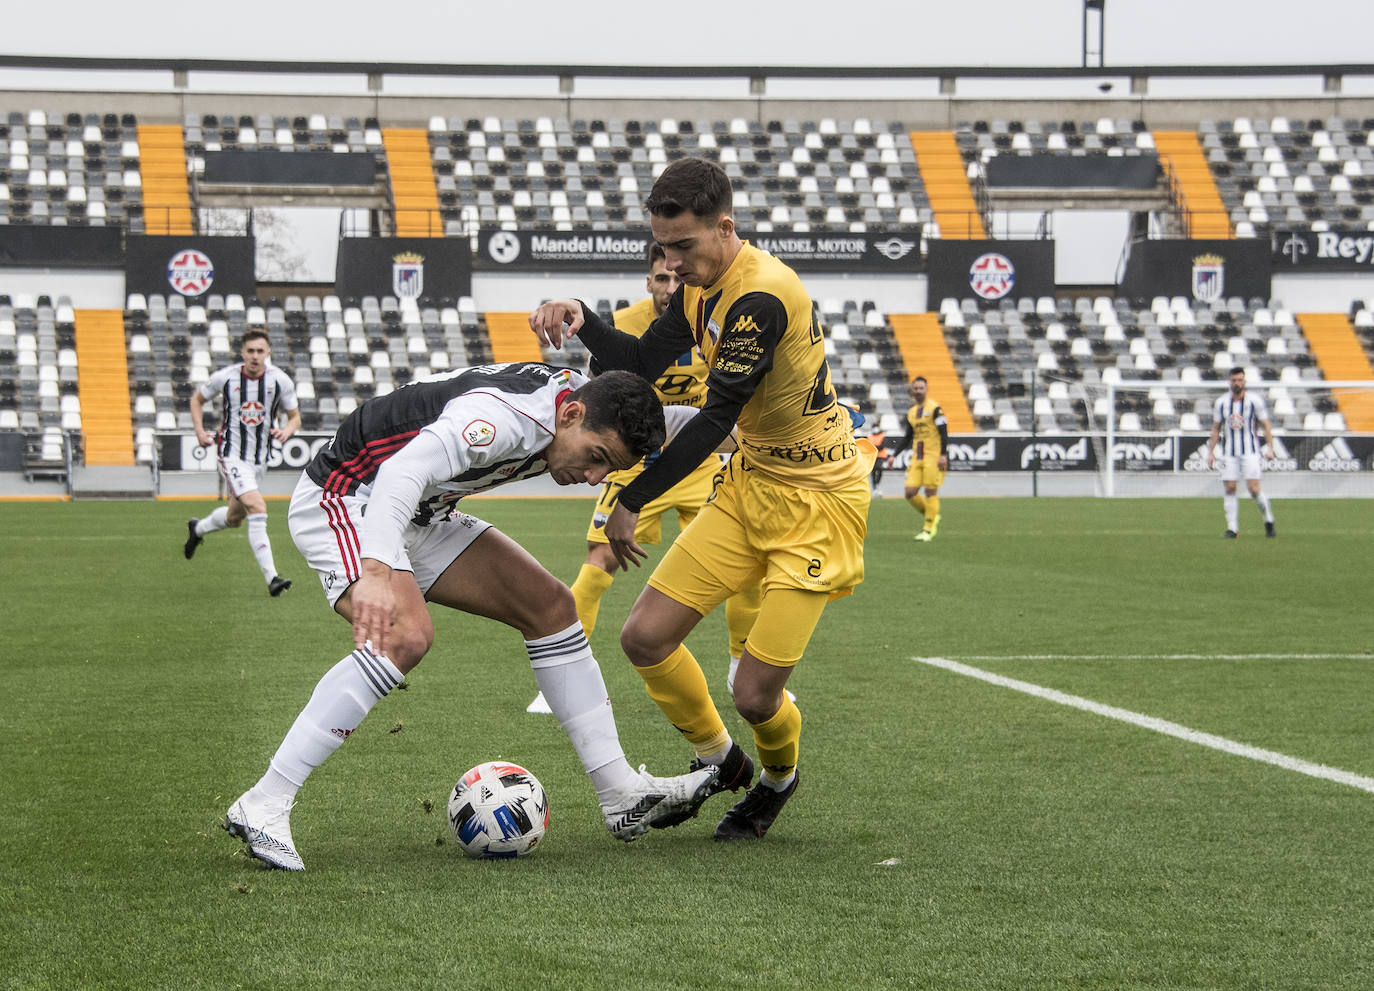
(1335,483)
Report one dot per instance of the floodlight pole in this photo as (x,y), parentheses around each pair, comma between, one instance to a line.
(1099,6)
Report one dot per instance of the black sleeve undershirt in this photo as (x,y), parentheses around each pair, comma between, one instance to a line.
(744,356)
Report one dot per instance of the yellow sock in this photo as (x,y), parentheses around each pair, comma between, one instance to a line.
(919,502)
(587,591)
(678,687)
(778,740)
(932,510)
(741,609)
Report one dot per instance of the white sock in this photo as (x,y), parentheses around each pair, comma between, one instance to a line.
(217,520)
(767,777)
(1231,503)
(1262,501)
(262,547)
(341,699)
(571,681)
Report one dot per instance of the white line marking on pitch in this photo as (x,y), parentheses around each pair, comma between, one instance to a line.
(1159,725)
(1167,657)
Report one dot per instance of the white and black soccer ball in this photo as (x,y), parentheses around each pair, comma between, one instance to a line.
(498,809)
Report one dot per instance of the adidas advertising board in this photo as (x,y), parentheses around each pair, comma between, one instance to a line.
(625,250)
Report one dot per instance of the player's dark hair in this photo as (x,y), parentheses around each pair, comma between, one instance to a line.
(656,254)
(694,185)
(919,378)
(627,404)
(1237,371)
(253,334)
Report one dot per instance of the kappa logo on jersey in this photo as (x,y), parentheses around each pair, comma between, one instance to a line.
(190,272)
(479,433)
(745,325)
(1336,456)
(252,413)
(992,275)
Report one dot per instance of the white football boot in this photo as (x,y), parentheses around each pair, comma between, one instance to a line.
(265,825)
(660,799)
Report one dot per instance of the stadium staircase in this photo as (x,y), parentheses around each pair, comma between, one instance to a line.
(1181,154)
(946,182)
(1341,358)
(511,338)
(412,182)
(921,341)
(162,168)
(103,387)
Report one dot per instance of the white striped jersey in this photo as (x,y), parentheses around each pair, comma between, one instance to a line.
(1240,419)
(249,410)
(483,426)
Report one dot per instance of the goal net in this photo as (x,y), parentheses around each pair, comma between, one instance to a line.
(1150,438)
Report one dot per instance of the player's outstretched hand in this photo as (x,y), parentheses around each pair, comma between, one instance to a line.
(620,533)
(555,321)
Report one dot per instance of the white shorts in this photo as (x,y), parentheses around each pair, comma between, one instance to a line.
(1237,466)
(325,529)
(241,476)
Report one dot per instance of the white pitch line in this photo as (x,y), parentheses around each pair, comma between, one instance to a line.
(1168,657)
(1159,725)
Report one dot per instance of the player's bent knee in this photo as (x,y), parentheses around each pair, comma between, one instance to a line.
(756,706)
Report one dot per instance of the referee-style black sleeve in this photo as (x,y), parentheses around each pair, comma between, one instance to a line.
(753,327)
(942,425)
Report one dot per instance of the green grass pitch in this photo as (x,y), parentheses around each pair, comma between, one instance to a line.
(948,832)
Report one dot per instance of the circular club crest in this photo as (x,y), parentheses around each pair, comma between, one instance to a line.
(251,413)
(992,275)
(190,272)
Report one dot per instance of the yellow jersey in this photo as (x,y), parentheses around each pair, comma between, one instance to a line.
(756,324)
(925,423)
(684,381)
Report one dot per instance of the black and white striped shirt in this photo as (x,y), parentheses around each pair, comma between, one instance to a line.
(1239,420)
(250,409)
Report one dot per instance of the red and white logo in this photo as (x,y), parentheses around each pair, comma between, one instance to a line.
(252,413)
(190,272)
(992,275)
(479,433)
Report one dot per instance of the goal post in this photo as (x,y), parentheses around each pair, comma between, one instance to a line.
(1152,437)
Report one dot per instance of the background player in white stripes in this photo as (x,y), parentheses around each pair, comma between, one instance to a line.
(253,393)
(1236,419)
(375,514)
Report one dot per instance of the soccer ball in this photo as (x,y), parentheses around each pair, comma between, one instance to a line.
(498,809)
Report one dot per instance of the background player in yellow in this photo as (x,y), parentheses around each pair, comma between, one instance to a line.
(927,430)
(682,383)
(790,508)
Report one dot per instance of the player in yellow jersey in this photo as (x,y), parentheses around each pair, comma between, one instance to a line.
(790,508)
(683,383)
(927,434)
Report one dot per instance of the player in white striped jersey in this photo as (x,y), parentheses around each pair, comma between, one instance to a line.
(1237,418)
(253,394)
(376,515)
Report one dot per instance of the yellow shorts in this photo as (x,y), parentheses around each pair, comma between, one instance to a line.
(755,528)
(687,497)
(924,473)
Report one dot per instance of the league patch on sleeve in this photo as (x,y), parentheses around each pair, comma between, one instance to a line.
(479,433)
